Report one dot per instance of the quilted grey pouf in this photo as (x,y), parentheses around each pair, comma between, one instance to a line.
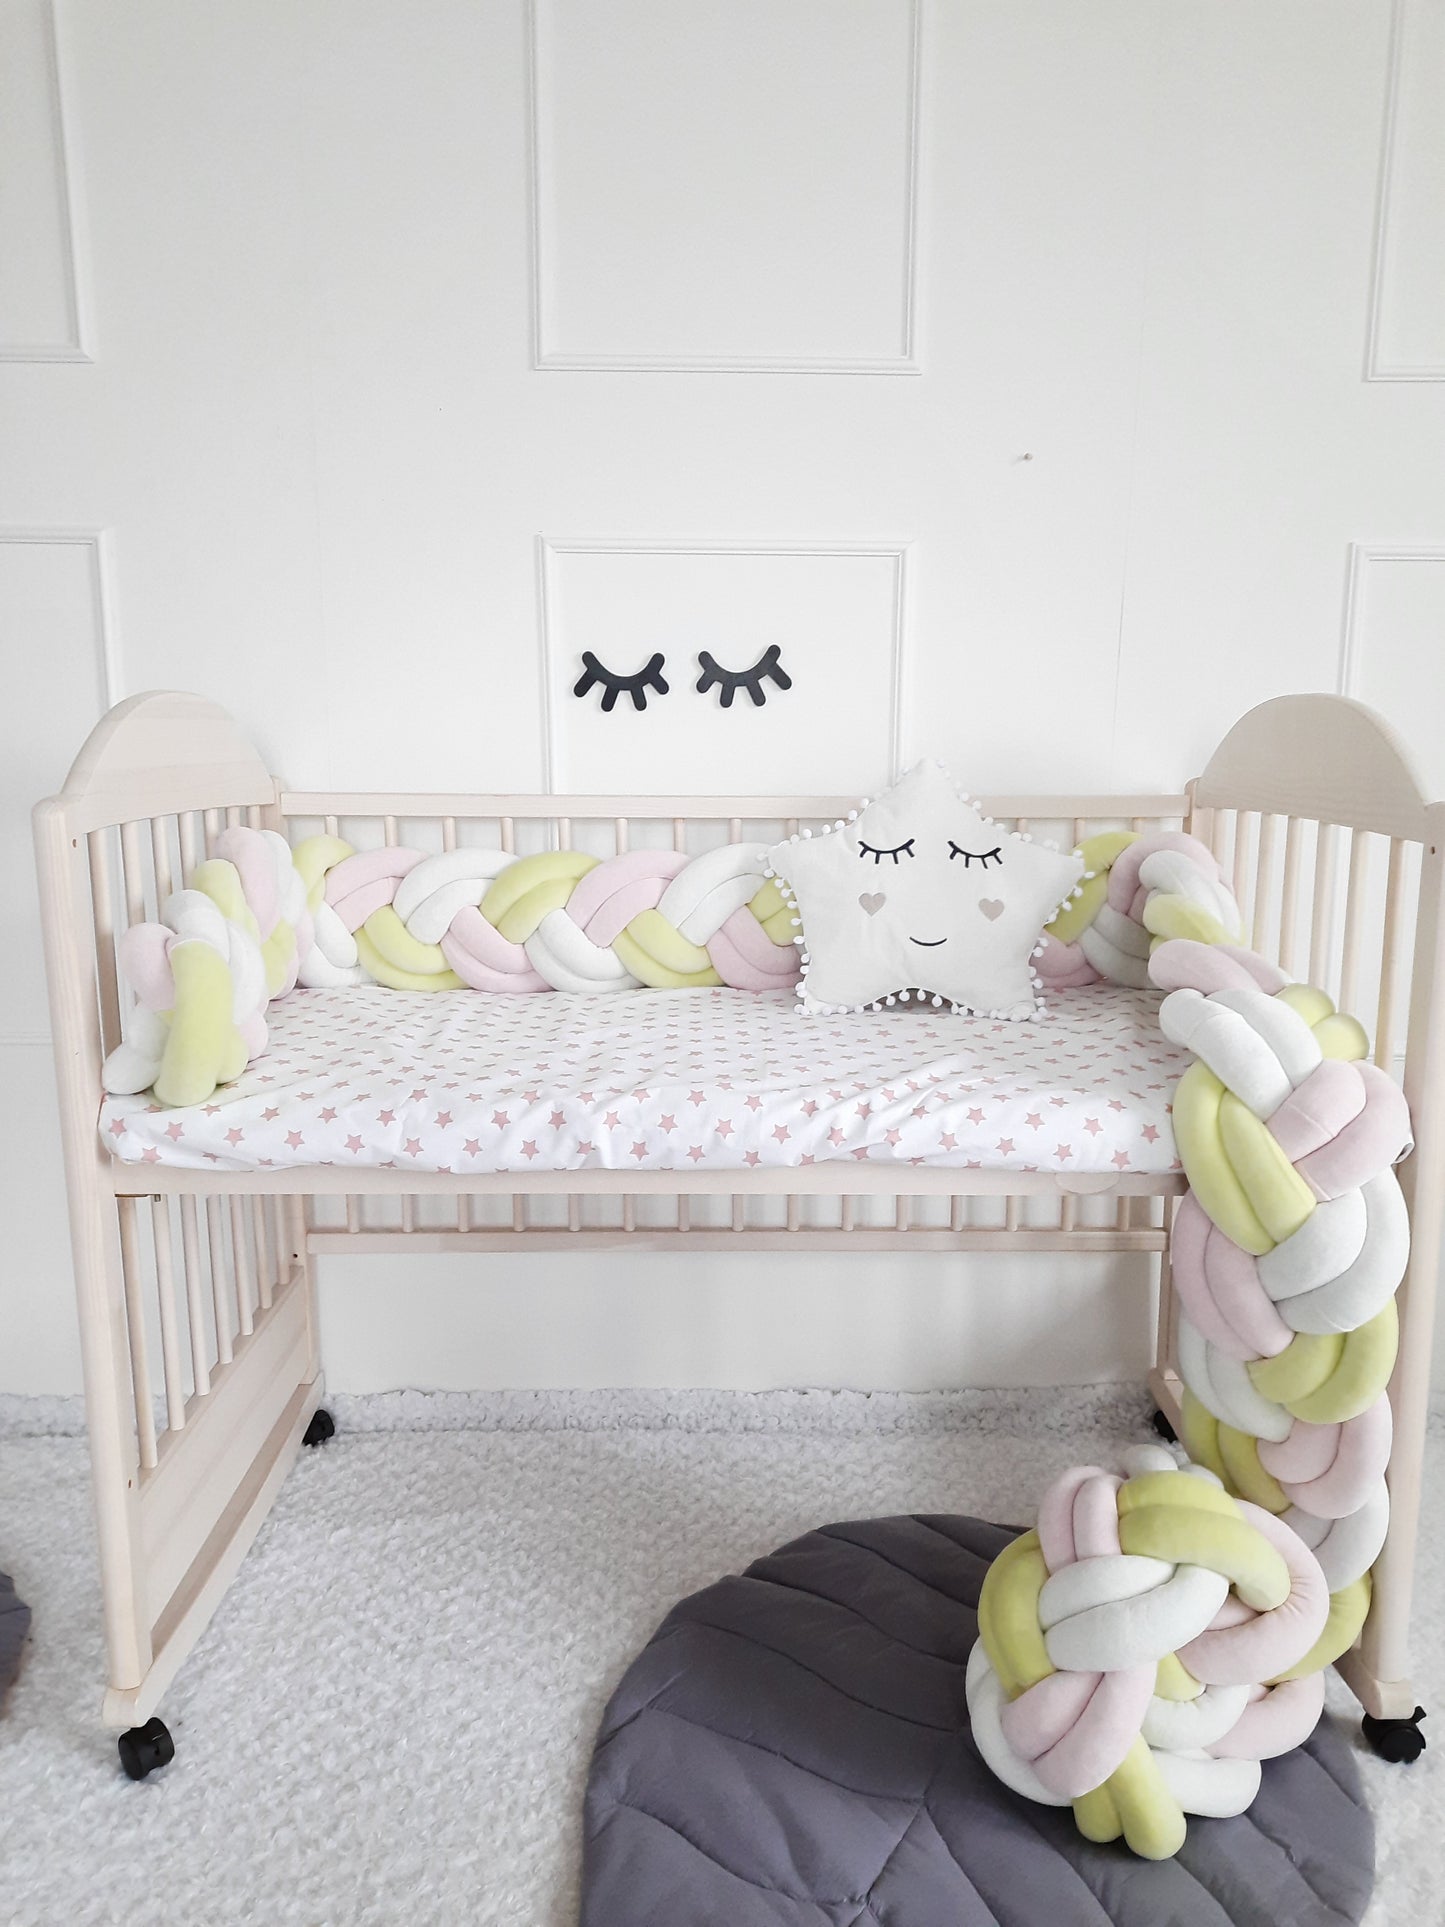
(792,1749)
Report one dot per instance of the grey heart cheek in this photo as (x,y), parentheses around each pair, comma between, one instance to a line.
(991,907)
(873,900)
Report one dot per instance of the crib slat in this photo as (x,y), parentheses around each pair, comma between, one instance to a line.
(564,832)
(140,1374)
(1264,881)
(845,1216)
(679,833)
(1068,1211)
(739,1211)
(216,1252)
(1385,1009)
(103,914)
(792,1211)
(408,1214)
(211,823)
(449,832)
(684,1212)
(1241,856)
(160,860)
(388,832)
(261,1227)
(1011,1213)
(902,1213)
(353,1212)
(295,1218)
(195,1317)
(1354,920)
(735,829)
(1217,837)
(1289,895)
(166,1300)
(957,1215)
(619,834)
(519,1211)
(132,873)
(241,1267)
(1322,916)
(508,830)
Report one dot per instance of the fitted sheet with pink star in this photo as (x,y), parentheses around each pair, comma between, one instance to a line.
(713,1079)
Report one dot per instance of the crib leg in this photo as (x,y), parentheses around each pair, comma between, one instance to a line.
(200,1501)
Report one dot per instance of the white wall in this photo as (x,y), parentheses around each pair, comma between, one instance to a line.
(1065,379)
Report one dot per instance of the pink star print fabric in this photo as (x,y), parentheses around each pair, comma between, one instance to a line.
(688,1080)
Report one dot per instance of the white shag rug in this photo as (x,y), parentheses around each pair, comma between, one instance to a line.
(390,1716)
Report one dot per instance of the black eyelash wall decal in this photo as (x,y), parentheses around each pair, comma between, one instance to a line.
(730,681)
(594,672)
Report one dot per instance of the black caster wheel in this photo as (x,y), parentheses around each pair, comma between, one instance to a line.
(143,1748)
(1164,1429)
(1398,1741)
(321,1428)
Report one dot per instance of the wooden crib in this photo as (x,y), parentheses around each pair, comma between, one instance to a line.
(197,1301)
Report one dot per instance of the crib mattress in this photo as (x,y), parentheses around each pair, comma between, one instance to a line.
(676,1081)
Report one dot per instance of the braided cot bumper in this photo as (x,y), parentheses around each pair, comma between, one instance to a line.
(259,917)
(1287,1251)
(1144,1648)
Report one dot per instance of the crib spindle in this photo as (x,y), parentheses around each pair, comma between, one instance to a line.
(1289,895)
(1264,882)
(1354,919)
(161,860)
(133,876)
(1322,906)
(1385,1008)
(1242,840)
(104,915)
(260,1228)
(140,1373)
(170,1325)
(195,1317)
(241,1267)
(216,1254)
(619,834)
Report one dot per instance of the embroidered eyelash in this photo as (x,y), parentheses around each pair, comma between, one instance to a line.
(981,857)
(903,849)
(730,681)
(595,673)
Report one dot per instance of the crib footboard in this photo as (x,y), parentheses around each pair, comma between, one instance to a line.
(197,1323)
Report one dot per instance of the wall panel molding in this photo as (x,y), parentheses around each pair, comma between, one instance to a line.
(1363,558)
(109,672)
(106,660)
(1412,25)
(74,343)
(549,358)
(552,551)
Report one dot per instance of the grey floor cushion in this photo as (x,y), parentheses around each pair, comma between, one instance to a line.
(792,1749)
(14,1626)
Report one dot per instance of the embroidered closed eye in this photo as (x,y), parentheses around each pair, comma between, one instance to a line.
(903,849)
(636,686)
(981,857)
(730,681)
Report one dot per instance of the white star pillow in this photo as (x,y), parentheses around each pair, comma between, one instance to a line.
(919,893)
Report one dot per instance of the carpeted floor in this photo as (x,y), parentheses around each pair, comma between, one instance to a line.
(390,1717)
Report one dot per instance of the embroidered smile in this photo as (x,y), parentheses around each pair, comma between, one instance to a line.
(928,943)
